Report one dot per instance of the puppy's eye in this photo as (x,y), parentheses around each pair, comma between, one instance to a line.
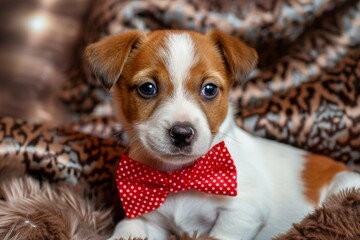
(209,91)
(147,90)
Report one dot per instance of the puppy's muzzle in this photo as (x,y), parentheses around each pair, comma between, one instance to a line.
(182,134)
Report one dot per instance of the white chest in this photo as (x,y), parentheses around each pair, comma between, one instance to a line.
(188,212)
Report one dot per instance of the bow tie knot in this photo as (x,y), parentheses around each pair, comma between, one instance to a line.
(143,189)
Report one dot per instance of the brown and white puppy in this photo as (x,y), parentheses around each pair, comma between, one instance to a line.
(171,91)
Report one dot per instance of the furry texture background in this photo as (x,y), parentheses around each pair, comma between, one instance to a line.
(32,211)
(338,218)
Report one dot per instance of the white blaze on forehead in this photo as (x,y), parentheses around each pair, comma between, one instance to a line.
(178,56)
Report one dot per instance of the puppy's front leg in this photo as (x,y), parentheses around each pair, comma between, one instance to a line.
(138,228)
(240,224)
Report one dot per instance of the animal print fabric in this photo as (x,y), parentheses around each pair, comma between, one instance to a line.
(305,91)
(63,154)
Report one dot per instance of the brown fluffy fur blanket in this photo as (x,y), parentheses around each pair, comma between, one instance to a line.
(33,211)
(338,218)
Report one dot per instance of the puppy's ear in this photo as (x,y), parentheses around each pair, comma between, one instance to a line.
(108,56)
(239,58)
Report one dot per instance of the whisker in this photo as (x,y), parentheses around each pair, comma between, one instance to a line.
(228,136)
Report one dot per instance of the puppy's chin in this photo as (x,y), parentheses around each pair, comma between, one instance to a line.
(178,160)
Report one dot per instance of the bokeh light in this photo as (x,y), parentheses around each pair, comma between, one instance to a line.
(37,23)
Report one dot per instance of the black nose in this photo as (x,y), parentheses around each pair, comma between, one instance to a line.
(182,134)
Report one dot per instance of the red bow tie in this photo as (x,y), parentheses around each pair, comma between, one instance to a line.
(143,189)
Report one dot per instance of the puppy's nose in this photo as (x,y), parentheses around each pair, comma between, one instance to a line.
(182,134)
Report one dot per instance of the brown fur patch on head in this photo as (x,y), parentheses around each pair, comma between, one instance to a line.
(239,58)
(143,66)
(30,211)
(107,57)
(318,173)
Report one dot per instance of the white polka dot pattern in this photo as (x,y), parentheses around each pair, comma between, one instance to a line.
(143,189)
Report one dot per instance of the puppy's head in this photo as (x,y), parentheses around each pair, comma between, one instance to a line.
(171,87)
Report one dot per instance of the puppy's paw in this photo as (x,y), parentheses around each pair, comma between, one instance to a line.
(130,229)
(128,237)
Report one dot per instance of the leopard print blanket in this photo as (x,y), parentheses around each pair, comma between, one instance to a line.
(305,91)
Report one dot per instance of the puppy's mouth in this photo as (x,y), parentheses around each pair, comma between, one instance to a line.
(174,155)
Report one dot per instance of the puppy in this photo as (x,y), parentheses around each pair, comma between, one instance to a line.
(171,91)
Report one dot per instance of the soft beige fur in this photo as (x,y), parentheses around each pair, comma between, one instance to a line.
(29,211)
